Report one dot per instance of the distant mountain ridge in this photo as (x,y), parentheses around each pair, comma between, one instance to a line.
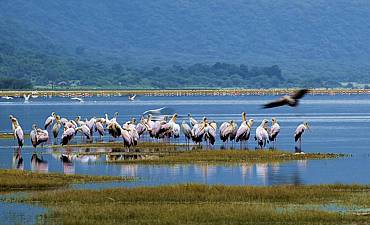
(316,38)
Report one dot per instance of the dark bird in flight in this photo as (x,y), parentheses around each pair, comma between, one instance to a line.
(291,100)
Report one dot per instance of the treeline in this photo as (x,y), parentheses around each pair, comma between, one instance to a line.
(54,70)
(13,83)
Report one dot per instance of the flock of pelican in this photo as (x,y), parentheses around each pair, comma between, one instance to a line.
(157,128)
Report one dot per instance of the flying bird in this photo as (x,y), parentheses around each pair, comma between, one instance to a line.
(77,99)
(291,100)
(26,98)
(7,97)
(132,98)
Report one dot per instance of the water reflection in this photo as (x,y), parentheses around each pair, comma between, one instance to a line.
(38,164)
(17,162)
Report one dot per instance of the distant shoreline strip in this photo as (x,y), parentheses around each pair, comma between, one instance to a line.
(180,92)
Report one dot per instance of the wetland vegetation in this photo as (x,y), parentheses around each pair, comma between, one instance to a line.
(15,180)
(202,204)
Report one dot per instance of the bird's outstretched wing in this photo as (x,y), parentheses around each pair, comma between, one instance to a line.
(279,102)
(299,94)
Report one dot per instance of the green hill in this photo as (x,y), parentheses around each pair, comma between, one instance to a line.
(317,40)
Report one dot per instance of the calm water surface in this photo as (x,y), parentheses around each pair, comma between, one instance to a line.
(339,125)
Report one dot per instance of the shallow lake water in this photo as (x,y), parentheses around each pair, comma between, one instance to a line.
(339,124)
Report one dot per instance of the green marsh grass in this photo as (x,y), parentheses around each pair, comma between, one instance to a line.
(201,204)
(15,180)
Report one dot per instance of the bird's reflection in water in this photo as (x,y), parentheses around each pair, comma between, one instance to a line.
(247,171)
(302,164)
(275,167)
(262,172)
(68,165)
(17,159)
(39,164)
(129,170)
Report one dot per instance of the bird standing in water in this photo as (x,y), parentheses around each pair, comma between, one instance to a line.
(244,130)
(274,131)
(298,134)
(262,134)
(17,130)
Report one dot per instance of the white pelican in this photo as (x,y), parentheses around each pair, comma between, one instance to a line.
(18,132)
(67,135)
(7,97)
(38,136)
(49,120)
(262,134)
(291,100)
(299,131)
(275,129)
(78,99)
(244,130)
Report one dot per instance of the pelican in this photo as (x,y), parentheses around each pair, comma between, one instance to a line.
(299,131)
(291,100)
(166,128)
(244,130)
(70,124)
(14,122)
(90,124)
(130,126)
(198,131)
(186,130)
(275,129)
(85,131)
(132,98)
(262,134)
(99,127)
(26,98)
(67,135)
(210,133)
(79,121)
(18,132)
(57,125)
(78,99)
(228,131)
(49,120)
(114,129)
(38,136)
(192,120)
(114,119)
(141,127)
(7,97)
(63,121)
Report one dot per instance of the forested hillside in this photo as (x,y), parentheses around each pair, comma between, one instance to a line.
(313,43)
